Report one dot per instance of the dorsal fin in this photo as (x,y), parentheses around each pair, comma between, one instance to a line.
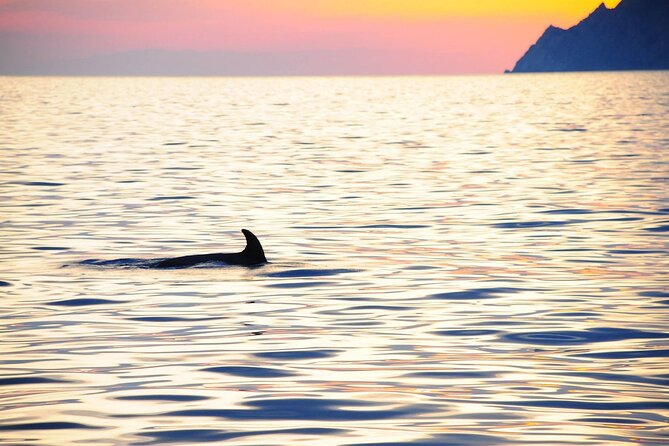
(253,250)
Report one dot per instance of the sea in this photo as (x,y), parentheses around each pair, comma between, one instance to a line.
(475,260)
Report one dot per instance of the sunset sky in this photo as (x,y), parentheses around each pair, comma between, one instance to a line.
(410,36)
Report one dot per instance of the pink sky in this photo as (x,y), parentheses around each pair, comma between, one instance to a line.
(424,44)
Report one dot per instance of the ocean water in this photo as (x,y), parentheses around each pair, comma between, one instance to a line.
(453,260)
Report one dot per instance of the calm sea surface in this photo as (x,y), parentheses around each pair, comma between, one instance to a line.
(453,260)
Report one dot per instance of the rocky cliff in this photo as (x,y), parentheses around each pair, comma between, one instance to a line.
(633,36)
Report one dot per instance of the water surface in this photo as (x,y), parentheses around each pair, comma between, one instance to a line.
(454,260)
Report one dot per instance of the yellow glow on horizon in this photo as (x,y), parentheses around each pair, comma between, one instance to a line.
(440,8)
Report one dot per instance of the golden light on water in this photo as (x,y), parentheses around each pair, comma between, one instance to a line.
(460,259)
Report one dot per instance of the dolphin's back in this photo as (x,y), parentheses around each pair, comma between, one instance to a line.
(253,254)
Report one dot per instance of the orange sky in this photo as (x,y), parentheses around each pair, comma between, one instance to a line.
(563,12)
(416,36)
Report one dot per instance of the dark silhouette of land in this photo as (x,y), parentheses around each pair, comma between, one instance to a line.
(253,254)
(633,36)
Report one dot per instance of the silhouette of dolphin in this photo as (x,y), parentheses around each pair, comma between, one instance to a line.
(253,254)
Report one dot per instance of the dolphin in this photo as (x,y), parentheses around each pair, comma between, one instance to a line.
(252,255)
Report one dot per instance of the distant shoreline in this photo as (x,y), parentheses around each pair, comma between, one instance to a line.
(8,75)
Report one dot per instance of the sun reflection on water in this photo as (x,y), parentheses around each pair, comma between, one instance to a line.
(476,260)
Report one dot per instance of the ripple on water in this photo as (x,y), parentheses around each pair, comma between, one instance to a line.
(658,380)
(186,436)
(172,319)
(300,284)
(609,420)
(17,380)
(465,333)
(478,293)
(449,439)
(53,425)
(536,224)
(250,372)
(453,375)
(654,294)
(627,354)
(116,263)
(575,314)
(50,248)
(297,355)
(310,272)
(568,211)
(42,184)
(85,301)
(635,251)
(391,226)
(590,405)
(168,398)
(662,228)
(306,409)
(570,129)
(569,337)
(173,197)
(369,309)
